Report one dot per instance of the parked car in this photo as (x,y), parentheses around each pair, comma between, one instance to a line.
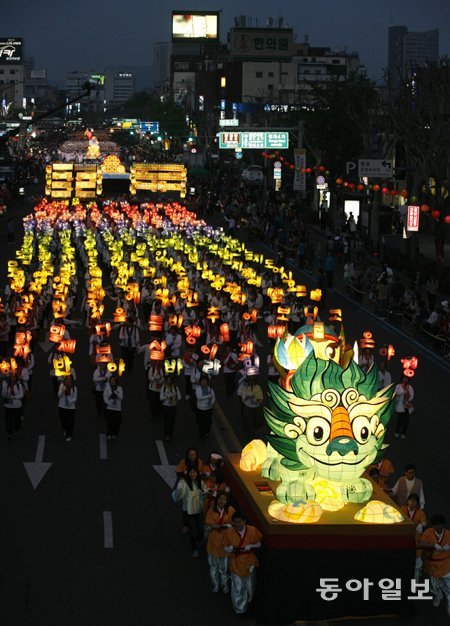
(253,174)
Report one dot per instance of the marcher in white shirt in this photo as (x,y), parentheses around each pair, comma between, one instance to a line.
(384,377)
(67,395)
(12,393)
(205,398)
(113,397)
(170,396)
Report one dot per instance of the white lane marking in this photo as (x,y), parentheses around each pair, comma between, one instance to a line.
(103,447)
(165,470)
(37,469)
(107,530)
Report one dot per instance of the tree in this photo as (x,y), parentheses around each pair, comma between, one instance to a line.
(338,118)
(418,116)
(148,106)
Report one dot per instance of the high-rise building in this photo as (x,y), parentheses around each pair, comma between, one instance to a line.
(120,86)
(162,51)
(408,51)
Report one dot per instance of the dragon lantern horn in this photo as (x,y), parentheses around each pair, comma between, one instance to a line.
(341,435)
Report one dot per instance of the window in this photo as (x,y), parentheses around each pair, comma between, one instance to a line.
(270,87)
(259,74)
(12,71)
(270,74)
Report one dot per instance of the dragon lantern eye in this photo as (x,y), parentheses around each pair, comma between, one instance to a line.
(361,429)
(317,431)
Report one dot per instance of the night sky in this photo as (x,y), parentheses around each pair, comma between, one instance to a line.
(91,34)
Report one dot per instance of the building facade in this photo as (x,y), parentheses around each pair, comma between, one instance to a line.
(408,51)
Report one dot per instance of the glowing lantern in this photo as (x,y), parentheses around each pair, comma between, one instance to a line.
(385,190)
(296,513)
(409,365)
(276,330)
(367,340)
(376,187)
(56,333)
(436,214)
(424,208)
(116,368)
(225,332)
(192,334)
(253,455)
(173,366)
(103,329)
(157,350)
(61,365)
(387,351)
(316,295)
(404,193)
(377,512)
(338,181)
(119,315)
(360,187)
(155,323)
(447,219)
(68,346)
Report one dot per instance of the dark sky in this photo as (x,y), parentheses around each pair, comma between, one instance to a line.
(89,34)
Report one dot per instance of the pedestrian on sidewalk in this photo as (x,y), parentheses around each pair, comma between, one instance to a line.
(68,396)
(404,394)
(113,397)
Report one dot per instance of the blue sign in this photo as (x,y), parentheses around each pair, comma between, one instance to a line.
(267,108)
(234,106)
(222,105)
(149,127)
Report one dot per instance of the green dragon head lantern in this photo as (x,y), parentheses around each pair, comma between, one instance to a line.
(327,420)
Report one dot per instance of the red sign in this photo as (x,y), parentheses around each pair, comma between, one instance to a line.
(413,217)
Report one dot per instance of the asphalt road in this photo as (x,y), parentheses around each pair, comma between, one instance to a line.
(54,567)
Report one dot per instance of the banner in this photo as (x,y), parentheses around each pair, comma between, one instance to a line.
(300,164)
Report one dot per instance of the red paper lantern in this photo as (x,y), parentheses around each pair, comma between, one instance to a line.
(376,187)
(385,190)
(424,208)
(292,167)
(352,186)
(360,187)
(404,193)
(338,181)
(394,192)
(435,214)
(308,170)
(321,168)
(447,219)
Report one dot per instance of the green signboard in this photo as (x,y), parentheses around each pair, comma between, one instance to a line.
(254,140)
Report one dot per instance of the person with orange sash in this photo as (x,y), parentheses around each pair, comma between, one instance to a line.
(218,520)
(240,542)
(413,512)
(437,541)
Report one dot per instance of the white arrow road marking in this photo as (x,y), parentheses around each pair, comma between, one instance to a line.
(46,345)
(166,471)
(103,447)
(107,530)
(37,470)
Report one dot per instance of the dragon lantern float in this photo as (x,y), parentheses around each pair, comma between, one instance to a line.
(328,421)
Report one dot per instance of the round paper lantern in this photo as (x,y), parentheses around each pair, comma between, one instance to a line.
(376,187)
(308,170)
(385,190)
(338,181)
(292,166)
(352,186)
(404,193)
(321,168)
(435,214)
(394,192)
(447,219)
(377,512)
(253,455)
(360,187)
(424,208)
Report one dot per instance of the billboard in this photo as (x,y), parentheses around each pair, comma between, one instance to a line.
(38,74)
(11,50)
(261,43)
(194,25)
